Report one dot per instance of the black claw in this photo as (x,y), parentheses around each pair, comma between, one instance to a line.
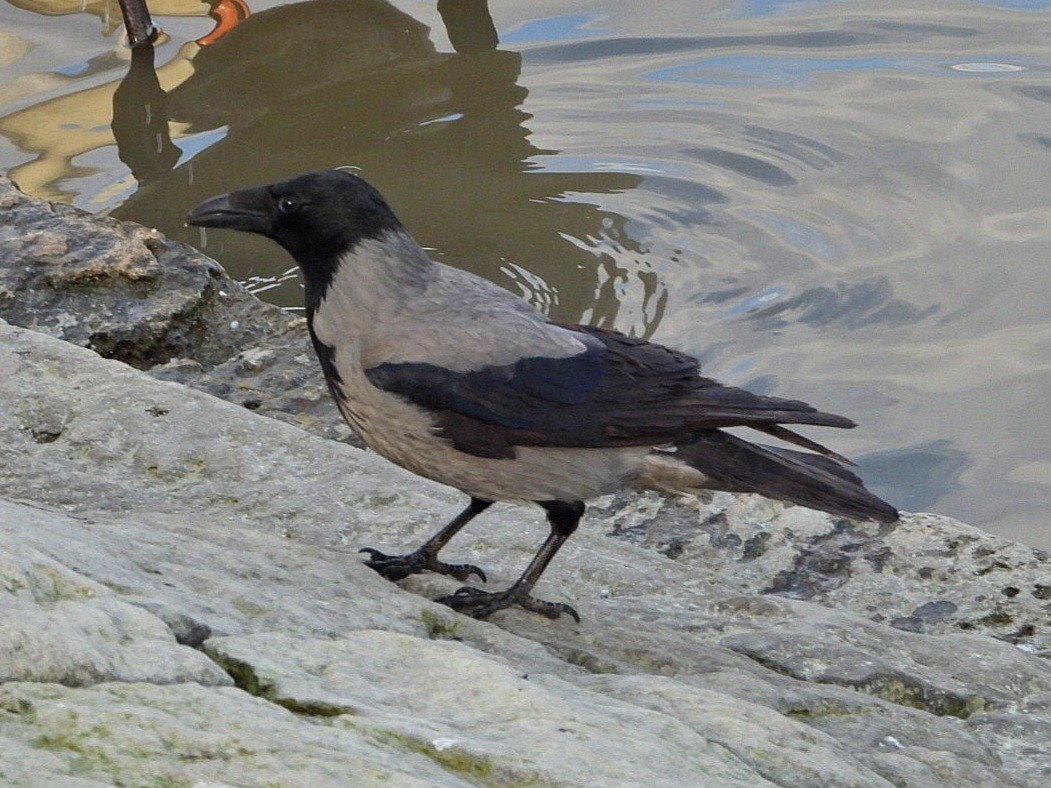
(392,567)
(464,572)
(550,609)
(398,567)
(482,604)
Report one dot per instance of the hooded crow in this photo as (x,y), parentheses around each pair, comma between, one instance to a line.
(460,381)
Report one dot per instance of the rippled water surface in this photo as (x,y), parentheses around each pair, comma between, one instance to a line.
(844,202)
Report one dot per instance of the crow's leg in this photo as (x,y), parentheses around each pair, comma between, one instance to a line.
(396,567)
(563,518)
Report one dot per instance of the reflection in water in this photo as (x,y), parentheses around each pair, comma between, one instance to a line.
(63,131)
(807,151)
(357,82)
(108,11)
(749,166)
(612,47)
(225,13)
(853,305)
(938,463)
(469,25)
(140,120)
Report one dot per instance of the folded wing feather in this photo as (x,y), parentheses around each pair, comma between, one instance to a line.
(621,391)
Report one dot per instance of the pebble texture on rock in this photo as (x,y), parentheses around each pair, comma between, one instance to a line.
(181,603)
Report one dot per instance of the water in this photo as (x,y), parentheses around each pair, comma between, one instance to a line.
(844,202)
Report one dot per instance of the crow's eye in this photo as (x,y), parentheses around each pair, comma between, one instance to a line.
(287,205)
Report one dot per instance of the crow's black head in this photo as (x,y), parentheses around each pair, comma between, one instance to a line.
(317,217)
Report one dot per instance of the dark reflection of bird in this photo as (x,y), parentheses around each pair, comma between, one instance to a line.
(458,380)
(359,82)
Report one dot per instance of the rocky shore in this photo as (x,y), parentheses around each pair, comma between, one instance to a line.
(182,602)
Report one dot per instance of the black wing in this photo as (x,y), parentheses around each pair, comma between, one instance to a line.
(621,391)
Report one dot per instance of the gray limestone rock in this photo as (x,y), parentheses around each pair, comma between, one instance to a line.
(926,574)
(186,734)
(481,710)
(956,675)
(1020,740)
(57,626)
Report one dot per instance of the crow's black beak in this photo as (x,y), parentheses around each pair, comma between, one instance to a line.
(247,210)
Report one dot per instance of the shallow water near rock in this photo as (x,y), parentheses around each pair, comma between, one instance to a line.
(837,201)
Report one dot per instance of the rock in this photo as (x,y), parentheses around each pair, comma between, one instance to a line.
(122,290)
(1020,740)
(57,626)
(955,675)
(926,574)
(478,714)
(186,734)
(839,744)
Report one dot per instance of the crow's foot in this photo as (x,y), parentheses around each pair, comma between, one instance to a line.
(397,567)
(482,604)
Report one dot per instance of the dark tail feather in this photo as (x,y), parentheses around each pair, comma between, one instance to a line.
(777,431)
(795,477)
